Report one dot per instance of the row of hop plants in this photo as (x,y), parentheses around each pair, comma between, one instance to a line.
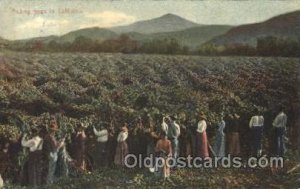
(82,84)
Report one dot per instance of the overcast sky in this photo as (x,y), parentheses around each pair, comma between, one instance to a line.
(32,18)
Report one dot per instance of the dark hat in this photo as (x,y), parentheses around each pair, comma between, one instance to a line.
(34,130)
(164,134)
(173,117)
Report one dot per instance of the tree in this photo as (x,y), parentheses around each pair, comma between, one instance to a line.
(82,43)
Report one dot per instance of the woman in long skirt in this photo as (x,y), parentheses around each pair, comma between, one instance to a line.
(234,135)
(80,148)
(201,137)
(34,169)
(63,163)
(122,147)
(219,145)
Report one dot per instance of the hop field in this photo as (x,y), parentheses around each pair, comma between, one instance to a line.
(118,88)
(124,86)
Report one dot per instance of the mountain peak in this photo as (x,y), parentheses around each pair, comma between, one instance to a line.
(165,23)
(169,15)
(173,18)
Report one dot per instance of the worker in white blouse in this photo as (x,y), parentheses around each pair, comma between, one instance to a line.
(102,138)
(164,124)
(122,147)
(34,168)
(256,125)
(201,137)
(279,125)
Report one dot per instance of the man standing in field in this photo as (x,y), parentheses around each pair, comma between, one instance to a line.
(102,138)
(256,125)
(279,125)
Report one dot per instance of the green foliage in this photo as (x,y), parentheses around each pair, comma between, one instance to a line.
(118,88)
(9,132)
(276,46)
(266,46)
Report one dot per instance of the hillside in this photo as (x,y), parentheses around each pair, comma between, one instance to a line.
(94,33)
(165,23)
(196,36)
(3,41)
(286,26)
(192,37)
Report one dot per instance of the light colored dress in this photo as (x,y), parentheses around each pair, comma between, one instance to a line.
(122,148)
(219,145)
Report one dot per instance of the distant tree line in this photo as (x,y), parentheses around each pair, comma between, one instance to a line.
(123,44)
(265,46)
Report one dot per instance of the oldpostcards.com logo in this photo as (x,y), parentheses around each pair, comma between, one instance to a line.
(134,161)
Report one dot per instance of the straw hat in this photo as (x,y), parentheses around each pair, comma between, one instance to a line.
(124,129)
(236,116)
(202,115)
(81,126)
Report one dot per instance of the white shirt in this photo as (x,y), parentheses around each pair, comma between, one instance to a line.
(177,128)
(36,143)
(173,130)
(256,121)
(122,136)
(201,126)
(280,120)
(102,136)
(1,181)
(164,126)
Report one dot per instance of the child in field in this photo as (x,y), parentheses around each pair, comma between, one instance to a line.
(164,150)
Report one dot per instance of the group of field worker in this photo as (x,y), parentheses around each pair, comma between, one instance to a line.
(51,157)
